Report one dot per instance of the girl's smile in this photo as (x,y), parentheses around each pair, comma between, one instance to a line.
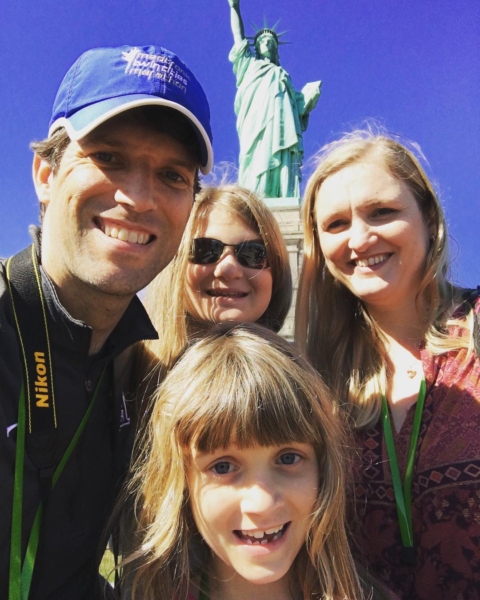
(252,507)
(262,536)
(225,290)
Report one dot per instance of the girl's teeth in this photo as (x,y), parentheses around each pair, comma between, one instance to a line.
(262,537)
(274,530)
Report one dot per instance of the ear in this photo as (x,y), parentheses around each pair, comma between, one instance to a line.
(42,178)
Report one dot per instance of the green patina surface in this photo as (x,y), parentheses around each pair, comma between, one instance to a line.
(271,114)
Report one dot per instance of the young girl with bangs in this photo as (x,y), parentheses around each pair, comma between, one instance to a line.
(239,480)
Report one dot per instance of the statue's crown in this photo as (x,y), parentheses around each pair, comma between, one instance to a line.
(270,30)
(261,32)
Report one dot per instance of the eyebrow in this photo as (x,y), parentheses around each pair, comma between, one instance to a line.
(94,138)
(380,202)
(369,204)
(328,217)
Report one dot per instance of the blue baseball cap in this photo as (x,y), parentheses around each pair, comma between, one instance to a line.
(105,82)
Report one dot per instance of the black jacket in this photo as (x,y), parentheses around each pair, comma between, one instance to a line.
(80,504)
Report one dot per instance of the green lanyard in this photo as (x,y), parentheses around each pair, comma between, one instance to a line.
(21,577)
(403,494)
(37,402)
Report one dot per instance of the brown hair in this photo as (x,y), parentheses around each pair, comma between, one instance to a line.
(166,297)
(331,324)
(246,381)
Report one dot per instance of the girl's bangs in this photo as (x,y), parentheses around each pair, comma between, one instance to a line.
(251,416)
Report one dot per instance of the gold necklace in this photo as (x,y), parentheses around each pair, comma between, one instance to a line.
(411,372)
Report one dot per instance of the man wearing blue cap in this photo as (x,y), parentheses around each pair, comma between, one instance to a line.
(116,178)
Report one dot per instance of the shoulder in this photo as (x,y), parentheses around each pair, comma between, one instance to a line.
(471,303)
(469,300)
(241,50)
(474,299)
(3,275)
(466,304)
(5,301)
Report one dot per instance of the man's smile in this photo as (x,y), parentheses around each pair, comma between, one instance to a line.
(125,233)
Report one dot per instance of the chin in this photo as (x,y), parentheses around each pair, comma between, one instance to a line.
(262,578)
(368,293)
(378,299)
(117,285)
(227,316)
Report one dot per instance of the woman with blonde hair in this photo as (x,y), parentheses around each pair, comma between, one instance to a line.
(239,481)
(232,265)
(394,339)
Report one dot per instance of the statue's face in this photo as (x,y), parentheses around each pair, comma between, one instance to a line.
(266,47)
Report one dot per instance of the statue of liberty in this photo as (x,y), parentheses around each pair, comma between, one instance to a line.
(271,114)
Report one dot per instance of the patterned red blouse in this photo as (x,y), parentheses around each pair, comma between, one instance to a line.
(445,490)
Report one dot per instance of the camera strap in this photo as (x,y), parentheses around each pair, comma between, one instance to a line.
(37,419)
(32,324)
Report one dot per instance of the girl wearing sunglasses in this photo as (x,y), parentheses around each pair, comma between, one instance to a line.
(239,482)
(232,265)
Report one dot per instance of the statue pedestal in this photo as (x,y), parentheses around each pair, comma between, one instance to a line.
(274,203)
(289,220)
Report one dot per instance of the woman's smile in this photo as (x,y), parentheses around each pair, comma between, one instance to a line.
(372,234)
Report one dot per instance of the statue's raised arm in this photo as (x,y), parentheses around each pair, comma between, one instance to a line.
(271,114)
(236,21)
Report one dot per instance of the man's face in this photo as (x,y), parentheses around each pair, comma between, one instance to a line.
(116,208)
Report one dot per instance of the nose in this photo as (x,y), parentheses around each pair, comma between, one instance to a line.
(137,190)
(260,497)
(228,267)
(362,235)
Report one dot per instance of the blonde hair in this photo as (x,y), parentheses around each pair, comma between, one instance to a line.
(243,381)
(166,299)
(331,323)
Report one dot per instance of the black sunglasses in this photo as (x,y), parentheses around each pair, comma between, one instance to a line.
(206,251)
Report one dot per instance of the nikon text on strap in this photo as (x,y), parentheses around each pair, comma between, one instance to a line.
(37,420)
(31,320)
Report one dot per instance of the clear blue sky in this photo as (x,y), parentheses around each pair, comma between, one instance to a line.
(413,65)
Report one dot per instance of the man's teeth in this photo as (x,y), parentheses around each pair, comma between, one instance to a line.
(263,537)
(126,235)
(373,260)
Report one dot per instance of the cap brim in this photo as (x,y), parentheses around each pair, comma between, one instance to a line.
(87,119)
